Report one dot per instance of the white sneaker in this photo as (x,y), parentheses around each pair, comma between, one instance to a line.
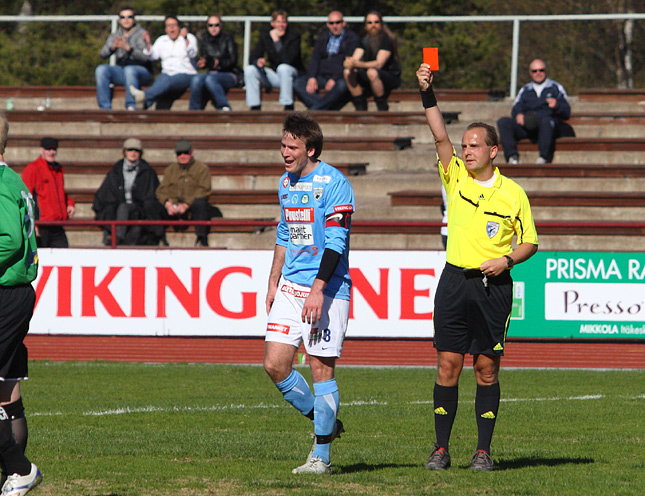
(19,485)
(226,108)
(540,161)
(513,161)
(313,466)
(139,97)
(339,428)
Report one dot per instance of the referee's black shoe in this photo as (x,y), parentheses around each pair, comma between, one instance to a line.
(439,459)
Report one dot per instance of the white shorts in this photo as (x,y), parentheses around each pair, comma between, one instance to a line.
(324,338)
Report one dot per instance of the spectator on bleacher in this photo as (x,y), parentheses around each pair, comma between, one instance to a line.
(184,191)
(132,66)
(539,112)
(45,179)
(282,48)
(325,69)
(18,270)
(128,192)
(177,50)
(374,67)
(219,58)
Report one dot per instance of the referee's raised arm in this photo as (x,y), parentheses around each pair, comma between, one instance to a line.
(434,117)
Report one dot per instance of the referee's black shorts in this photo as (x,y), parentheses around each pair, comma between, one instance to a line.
(16,308)
(471,313)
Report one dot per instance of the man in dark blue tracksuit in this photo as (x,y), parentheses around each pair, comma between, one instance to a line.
(538,113)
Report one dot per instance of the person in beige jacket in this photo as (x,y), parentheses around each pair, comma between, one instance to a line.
(184,191)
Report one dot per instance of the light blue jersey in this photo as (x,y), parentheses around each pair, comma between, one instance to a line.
(316,214)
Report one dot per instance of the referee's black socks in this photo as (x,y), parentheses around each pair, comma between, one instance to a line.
(446,399)
(486,407)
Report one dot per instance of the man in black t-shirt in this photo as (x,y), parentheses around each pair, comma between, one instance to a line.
(374,67)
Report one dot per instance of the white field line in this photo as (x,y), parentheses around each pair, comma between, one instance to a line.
(265,406)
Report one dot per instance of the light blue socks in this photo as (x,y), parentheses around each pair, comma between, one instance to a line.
(296,391)
(325,410)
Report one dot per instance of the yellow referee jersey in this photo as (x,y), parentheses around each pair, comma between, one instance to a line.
(482,220)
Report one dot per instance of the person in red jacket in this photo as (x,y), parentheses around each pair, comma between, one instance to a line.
(44,178)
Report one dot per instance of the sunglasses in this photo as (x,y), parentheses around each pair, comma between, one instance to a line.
(334,23)
(126,17)
(538,70)
(373,22)
(182,153)
(214,25)
(132,150)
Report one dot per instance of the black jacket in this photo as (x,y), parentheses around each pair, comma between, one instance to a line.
(331,66)
(290,53)
(221,47)
(111,192)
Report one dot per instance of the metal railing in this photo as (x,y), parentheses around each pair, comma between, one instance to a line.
(249,20)
(633,228)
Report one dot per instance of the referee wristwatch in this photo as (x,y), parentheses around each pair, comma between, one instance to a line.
(509,261)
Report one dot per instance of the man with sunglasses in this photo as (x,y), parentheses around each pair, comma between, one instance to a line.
(128,193)
(538,114)
(184,191)
(325,69)
(45,179)
(132,66)
(219,58)
(474,297)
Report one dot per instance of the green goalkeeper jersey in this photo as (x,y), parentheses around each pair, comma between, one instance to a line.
(18,255)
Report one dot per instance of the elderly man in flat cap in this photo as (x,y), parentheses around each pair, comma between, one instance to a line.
(45,179)
(185,189)
(128,193)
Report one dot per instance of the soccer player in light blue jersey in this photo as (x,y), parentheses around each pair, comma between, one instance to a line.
(309,284)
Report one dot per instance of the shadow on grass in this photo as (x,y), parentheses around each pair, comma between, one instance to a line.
(539,462)
(366,467)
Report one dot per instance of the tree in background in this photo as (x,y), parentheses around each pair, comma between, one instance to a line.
(580,54)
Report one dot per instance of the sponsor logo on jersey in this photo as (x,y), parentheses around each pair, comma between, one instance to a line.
(301,234)
(304,199)
(299,214)
(284,197)
(301,187)
(492,228)
(337,220)
(285,182)
(318,193)
(281,328)
(298,293)
(322,179)
(294,199)
(343,208)
(307,250)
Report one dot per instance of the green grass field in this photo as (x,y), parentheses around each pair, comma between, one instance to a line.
(121,429)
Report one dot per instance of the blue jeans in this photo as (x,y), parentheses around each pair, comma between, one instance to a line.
(167,84)
(217,85)
(334,99)
(281,78)
(135,75)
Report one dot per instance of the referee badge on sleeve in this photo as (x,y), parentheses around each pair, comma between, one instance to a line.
(492,228)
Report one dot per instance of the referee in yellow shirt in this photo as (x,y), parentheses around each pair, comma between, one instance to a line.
(474,296)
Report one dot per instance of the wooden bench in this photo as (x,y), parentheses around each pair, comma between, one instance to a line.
(612,95)
(217,197)
(214,142)
(219,169)
(579,144)
(233,117)
(537,198)
(573,170)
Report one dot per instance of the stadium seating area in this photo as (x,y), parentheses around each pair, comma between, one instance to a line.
(596,185)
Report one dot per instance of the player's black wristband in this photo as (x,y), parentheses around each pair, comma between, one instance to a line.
(328,264)
(427,98)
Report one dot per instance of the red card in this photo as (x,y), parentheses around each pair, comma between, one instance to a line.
(431,57)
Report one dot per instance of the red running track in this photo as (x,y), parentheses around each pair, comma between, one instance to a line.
(374,352)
